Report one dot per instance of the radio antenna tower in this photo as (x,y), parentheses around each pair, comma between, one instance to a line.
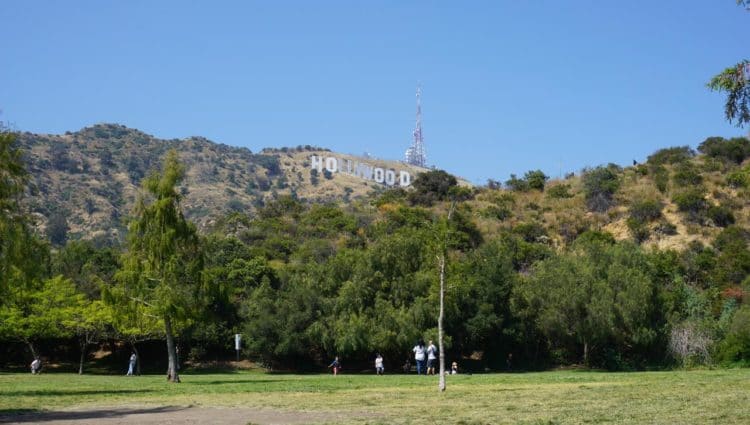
(416,154)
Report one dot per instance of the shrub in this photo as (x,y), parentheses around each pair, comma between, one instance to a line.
(665,228)
(600,185)
(500,213)
(737,179)
(661,178)
(431,186)
(691,201)
(638,229)
(646,210)
(536,179)
(517,185)
(671,155)
(686,175)
(735,149)
(720,215)
(559,191)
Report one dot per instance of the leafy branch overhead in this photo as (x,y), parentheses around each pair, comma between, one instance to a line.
(735,82)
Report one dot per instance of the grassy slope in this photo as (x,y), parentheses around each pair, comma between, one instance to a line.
(550,397)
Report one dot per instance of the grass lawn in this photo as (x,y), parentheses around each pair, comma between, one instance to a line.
(707,396)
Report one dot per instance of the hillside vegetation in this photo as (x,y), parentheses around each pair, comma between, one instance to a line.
(623,268)
(85,183)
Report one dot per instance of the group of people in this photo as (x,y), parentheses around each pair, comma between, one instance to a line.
(425,357)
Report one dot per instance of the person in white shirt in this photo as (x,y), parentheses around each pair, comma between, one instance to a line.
(431,358)
(379,364)
(36,366)
(419,356)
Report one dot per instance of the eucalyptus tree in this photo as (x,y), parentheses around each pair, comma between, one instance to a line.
(162,269)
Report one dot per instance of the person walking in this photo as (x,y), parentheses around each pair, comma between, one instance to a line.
(419,356)
(131,364)
(379,364)
(431,358)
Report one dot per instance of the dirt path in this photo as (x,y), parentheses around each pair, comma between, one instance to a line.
(172,416)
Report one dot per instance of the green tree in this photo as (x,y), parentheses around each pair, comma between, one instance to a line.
(162,269)
(595,297)
(735,81)
(45,312)
(22,255)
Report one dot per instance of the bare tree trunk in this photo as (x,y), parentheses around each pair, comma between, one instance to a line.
(441,261)
(83,345)
(31,348)
(441,380)
(172,375)
(137,358)
(585,353)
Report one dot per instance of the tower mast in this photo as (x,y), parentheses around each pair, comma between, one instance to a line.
(416,154)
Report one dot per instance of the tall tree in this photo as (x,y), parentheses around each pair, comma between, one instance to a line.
(162,270)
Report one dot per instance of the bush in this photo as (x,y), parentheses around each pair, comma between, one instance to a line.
(431,186)
(686,175)
(638,229)
(735,149)
(500,213)
(671,155)
(737,179)
(691,201)
(735,348)
(517,185)
(600,185)
(646,210)
(536,179)
(720,215)
(661,178)
(559,191)
(666,228)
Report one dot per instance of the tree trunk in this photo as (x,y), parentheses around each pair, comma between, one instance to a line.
(585,353)
(137,358)
(441,380)
(82,343)
(172,375)
(31,348)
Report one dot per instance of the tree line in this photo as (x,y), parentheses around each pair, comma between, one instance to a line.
(306,282)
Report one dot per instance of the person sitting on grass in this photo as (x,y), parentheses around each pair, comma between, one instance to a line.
(335,366)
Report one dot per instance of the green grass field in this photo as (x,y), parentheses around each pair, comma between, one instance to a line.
(708,396)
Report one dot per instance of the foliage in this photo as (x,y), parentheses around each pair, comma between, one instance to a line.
(691,201)
(734,82)
(559,191)
(431,186)
(600,185)
(161,270)
(673,155)
(596,296)
(646,210)
(734,150)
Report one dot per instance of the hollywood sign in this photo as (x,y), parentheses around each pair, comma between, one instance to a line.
(386,176)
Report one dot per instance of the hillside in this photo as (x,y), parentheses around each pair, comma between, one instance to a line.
(88,180)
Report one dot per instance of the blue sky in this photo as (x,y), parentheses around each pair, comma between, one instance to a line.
(508,86)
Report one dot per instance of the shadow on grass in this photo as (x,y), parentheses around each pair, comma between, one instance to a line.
(35,416)
(58,393)
(239,381)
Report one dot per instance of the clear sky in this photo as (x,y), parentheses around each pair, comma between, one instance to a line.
(508,85)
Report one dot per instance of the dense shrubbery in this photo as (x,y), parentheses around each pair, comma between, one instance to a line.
(673,155)
(600,185)
(735,149)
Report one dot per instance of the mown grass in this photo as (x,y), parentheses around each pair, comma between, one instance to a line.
(711,396)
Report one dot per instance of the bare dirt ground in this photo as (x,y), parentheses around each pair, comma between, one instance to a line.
(171,415)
